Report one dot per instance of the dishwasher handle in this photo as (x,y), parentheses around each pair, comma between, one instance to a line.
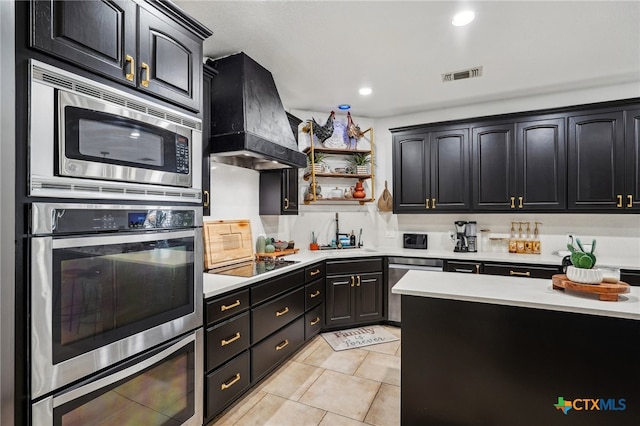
(415,267)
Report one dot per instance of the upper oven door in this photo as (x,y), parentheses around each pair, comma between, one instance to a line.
(99,140)
(99,299)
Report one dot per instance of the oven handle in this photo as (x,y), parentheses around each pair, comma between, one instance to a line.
(88,241)
(122,374)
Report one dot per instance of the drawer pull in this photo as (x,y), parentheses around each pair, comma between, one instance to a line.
(426,203)
(433,203)
(519,202)
(513,202)
(358,281)
(353,281)
(520,274)
(619,205)
(231,383)
(231,340)
(316,294)
(630,200)
(282,345)
(286,203)
(315,321)
(468,271)
(282,312)
(477,268)
(227,307)
(132,65)
(316,272)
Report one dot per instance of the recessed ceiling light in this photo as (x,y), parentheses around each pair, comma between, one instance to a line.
(365,91)
(344,107)
(463,18)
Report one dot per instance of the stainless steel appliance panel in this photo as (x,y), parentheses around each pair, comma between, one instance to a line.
(98,299)
(51,90)
(398,267)
(164,386)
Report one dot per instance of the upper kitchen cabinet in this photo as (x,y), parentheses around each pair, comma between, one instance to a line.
(632,166)
(596,161)
(519,165)
(208,74)
(157,49)
(431,171)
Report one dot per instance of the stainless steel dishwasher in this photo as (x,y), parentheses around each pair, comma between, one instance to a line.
(398,266)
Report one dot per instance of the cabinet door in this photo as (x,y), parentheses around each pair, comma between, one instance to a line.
(411,174)
(208,74)
(596,162)
(368,294)
(541,165)
(290,190)
(279,192)
(632,169)
(340,302)
(170,60)
(493,167)
(450,170)
(97,35)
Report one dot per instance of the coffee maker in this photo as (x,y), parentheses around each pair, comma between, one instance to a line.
(461,237)
(466,236)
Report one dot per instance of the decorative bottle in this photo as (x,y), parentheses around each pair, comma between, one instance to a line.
(359,191)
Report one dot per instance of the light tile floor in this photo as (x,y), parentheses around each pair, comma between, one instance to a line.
(319,386)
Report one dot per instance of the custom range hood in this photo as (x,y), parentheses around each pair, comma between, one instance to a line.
(249,127)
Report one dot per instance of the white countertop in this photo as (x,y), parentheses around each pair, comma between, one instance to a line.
(514,291)
(215,284)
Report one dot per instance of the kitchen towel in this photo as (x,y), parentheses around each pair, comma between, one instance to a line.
(358,337)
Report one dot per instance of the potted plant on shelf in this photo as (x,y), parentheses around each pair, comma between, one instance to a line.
(361,161)
(582,268)
(317,162)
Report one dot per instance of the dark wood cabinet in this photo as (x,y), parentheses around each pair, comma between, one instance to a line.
(208,74)
(354,292)
(596,161)
(156,49)
(631,195)
(279,192)
(515,270)
(463,267)
(520,165)
(431,171)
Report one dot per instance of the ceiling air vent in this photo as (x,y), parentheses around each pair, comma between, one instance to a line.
(461,75)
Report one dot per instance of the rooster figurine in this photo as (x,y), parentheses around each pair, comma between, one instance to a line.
(322,132)
(353,132)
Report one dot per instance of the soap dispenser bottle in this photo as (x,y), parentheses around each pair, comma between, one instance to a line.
(528,242)
(512,239)
(537,247)
(520,240)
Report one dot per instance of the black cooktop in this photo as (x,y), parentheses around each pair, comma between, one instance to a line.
(252,268)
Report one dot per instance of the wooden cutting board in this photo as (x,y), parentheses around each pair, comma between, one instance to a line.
(226,242)
(275,254)
(605,291)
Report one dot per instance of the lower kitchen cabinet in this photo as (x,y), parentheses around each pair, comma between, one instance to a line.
(530,271)
(630,276)
(355,297)
(463,267)
(250,332)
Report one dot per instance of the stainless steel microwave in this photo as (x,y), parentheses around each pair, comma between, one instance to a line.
(89,140)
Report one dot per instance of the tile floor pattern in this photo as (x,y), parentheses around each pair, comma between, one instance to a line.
(321,387)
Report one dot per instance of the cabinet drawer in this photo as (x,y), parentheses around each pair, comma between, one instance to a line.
(630,277)
(354,266)
(522,270)
(273,315)
(275,348)
(226,340)
(464,267)
(223,307)
(313,293)
(313,322)
(314,272)
(226,383)
(276,286)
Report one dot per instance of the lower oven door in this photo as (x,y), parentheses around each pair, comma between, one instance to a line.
(160,387)
(97,300)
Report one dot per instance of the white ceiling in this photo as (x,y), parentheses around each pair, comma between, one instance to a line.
(321,52)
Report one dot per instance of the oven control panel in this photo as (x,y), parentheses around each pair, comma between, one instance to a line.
(81,220)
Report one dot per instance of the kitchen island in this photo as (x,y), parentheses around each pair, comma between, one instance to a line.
(493,350)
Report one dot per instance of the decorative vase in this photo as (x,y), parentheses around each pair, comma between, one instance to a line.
(584,276)
(359,191)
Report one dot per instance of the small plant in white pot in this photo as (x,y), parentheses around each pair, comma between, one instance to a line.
(582,268)
(360,161)
(317,162)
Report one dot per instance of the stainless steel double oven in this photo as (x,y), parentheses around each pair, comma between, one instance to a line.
(116,314)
